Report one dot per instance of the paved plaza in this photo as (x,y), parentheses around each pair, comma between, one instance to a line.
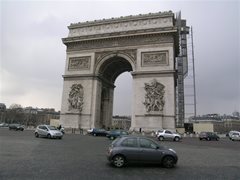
(22,156)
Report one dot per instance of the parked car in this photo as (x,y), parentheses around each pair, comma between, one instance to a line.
(168,135)
(235,136)
(116,133)
(48,131)
(4,125)
(231,133)
(208,136)
(98,132)
(135,149)
(16,127)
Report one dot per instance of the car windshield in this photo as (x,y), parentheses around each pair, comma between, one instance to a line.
(52,127)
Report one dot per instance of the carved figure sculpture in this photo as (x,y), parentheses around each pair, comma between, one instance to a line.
(76,97)
(154,96)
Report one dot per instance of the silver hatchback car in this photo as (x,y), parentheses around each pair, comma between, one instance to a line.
(48,131)
(168,135)
(134,149)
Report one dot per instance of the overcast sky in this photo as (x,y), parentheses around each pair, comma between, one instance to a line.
(33,55)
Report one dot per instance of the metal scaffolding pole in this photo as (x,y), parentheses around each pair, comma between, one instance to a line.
(194,81)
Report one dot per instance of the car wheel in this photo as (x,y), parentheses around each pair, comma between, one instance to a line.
(94,134)
(161,138)
(118,161)
(60,137)
(217,139)
(168,162)
(36,135)
(176,139)
(208,139)
(49,136)
(200,139)
(232,139)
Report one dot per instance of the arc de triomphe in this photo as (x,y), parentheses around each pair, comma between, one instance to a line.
(99,51)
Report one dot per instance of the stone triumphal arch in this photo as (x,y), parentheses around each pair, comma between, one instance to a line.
(99,51)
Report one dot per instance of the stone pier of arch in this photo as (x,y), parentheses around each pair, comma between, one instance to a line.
(98,52)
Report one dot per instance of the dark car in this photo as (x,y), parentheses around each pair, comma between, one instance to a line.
(135,149)
(208,136)
(16,127)
(116,133)
(98,132)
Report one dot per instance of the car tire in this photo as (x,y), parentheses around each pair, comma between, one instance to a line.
(168,162)
(217,139)
(160,138)
(208,139)
(94,134)
(60,138)
(36,135)
(49,136)
(118,161)
(200,139)
(176,139)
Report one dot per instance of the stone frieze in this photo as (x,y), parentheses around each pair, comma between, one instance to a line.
(79,63)
(137,24)
(157,58)
(120,42)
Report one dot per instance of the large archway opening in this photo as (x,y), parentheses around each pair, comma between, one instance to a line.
(109,70)
(123,95)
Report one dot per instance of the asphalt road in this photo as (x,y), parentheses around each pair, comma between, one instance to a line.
(22,156)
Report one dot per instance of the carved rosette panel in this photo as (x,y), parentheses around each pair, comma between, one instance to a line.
(75,98)
(131,53)
(79,63)
(118,26)
(157,58)
(154,97)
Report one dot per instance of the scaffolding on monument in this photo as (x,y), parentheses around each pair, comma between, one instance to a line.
(190,81)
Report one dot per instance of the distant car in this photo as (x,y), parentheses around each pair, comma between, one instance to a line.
(139,149)
(4,125)
(89,131)
(235,136)
(98,132)
(231,133)
(48,131)
(168,135)
(208,136)
(116,133)
(16,127)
